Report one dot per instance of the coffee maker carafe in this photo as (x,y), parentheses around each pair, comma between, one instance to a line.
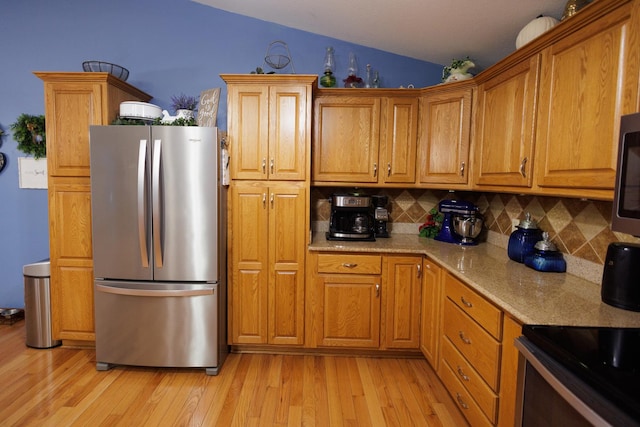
(462,223)
(380,215)
(351,217)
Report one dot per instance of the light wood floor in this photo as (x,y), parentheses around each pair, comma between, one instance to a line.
(61,387)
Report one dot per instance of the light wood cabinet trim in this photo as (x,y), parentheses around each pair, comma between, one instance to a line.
(479,309)
(431,312)
(349,264)
(509,372)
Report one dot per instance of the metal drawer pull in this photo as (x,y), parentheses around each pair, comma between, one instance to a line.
(461,402)
(271,165)
(462,169)
(462,375)
(375,170)
(377,289)
(465,302)
(388,169)
(349,265)
(419,270)
(264,166)
(522,165)
(463,338)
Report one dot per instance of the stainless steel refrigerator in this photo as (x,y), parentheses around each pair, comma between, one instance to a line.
(159,233)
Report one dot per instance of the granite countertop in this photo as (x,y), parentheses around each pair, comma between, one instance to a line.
(529,296)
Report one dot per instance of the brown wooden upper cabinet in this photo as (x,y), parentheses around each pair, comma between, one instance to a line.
(269,131)
(444,137)
(585,81)
(505,125)
(364,137)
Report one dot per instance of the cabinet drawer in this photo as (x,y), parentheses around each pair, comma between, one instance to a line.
(486,398)
(482,311)
(349,264)
(462,398)
(477,346)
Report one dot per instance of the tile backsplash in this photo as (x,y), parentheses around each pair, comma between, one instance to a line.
(580,228)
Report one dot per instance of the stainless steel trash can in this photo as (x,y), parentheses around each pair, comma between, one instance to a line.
(37,305)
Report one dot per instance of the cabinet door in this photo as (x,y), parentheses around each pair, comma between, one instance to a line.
(506,125)
(71,108)
(248,113)
(581,99)
(399,135)
(288,132)
(249,260)
(71,259)
(445,137)
(287,248)
(346,139)
(401,296)
(349,311)
(431,309)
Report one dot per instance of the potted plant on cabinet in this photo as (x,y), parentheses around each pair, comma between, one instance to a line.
(184,105)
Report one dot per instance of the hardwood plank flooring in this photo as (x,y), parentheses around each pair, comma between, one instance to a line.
(61,387)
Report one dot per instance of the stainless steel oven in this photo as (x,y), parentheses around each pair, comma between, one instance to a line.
(574,376)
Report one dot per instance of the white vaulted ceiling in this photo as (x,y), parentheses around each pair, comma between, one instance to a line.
(430,30)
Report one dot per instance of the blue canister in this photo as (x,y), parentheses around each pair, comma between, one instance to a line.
(546,257)
(523,239)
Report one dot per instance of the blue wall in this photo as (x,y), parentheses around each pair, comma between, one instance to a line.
(169,47)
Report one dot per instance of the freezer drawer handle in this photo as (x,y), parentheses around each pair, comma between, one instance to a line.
(155,292)
(157,205)
(142,226)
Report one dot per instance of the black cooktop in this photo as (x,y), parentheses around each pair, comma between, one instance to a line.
(608,359)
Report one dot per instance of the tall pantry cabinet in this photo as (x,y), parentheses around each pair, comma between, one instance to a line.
(73,102)
(269,137)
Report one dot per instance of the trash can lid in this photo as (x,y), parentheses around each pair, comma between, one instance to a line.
(37,269)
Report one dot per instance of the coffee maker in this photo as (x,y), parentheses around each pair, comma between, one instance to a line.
(351,217)
(461,224)
(380,215)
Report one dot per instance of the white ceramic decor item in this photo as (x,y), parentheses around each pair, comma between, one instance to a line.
(534,29)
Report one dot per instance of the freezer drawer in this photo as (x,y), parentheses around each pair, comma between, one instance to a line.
(160,325)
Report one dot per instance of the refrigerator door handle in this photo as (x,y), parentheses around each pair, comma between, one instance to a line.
(157,205)
(208,290)
(142,217)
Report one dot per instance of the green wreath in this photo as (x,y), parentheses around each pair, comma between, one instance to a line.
(29,133)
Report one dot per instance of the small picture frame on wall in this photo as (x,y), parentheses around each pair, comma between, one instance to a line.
(32,172)
(208,107)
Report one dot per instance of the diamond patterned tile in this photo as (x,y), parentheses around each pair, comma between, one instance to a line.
(559,217)
(496,205)
(589,221)
(572,237)
(405,200)
(513,208)
(535,209)
(415,211)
